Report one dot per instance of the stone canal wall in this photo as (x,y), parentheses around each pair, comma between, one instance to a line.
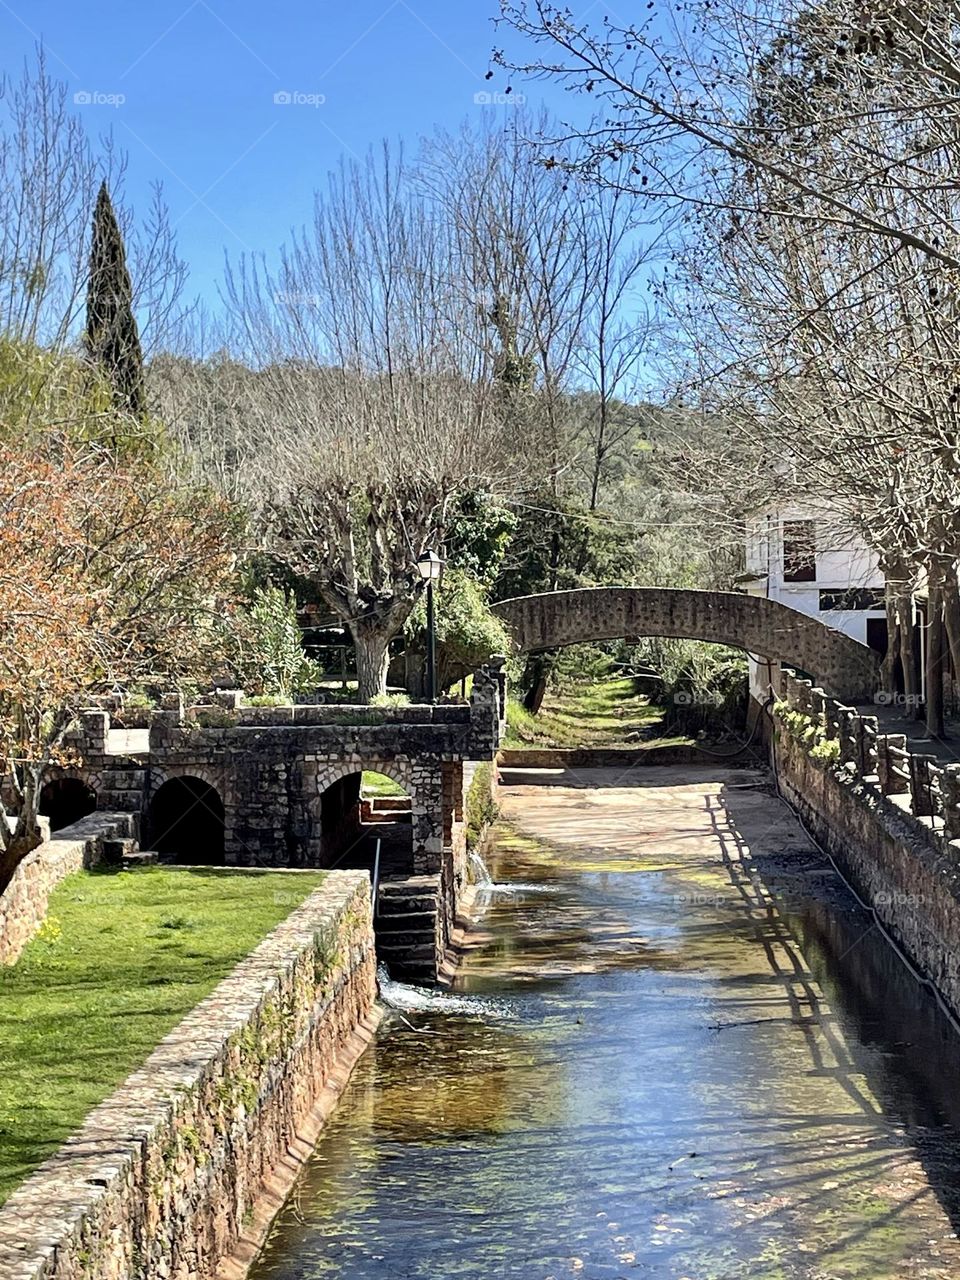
(894,860)
(165,1176)
(23,904)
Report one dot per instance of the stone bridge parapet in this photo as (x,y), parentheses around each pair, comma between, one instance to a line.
(762,627)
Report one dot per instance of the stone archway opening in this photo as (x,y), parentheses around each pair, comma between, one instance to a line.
(358,810)
(65,801)
(185,822)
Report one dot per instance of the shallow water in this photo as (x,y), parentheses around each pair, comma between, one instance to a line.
(685,1052)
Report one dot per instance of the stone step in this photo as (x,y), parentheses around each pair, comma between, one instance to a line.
(116,852)
(418,903)
(402,957)
(404,884)
(141,858)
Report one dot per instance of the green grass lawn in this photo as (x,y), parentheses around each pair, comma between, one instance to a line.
(121,958)
(606,713)
(378,784)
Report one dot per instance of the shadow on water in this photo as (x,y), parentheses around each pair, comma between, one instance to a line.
(904,1045)
(703,1063)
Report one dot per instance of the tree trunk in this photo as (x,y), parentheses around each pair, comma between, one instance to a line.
(936,653)
(536,677)
(911,685)
(373,658)
(888,683)
(951,618)
(14,854)
(415,674)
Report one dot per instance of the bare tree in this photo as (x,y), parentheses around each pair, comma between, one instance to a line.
(369,400)
(681,106)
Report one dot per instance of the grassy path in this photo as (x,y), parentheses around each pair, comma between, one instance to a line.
(606,714)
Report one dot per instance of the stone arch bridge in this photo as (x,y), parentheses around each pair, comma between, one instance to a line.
(845,668)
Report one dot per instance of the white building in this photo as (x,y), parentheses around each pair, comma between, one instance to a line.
(811,563)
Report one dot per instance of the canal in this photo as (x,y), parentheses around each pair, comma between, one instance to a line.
(676,1047)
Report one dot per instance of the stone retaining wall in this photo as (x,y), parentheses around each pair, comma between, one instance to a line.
(621,758)
(23,904)
(165,1175)
(887,854)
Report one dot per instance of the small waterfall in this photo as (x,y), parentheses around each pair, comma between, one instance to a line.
(481,872)
(406,998)
(489,889)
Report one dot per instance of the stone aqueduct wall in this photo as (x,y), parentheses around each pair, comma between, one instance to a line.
(843,666)
(163,1177)
(889,855)
(272,766)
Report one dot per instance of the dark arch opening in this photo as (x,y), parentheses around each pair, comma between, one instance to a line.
(185,822)
(65,801)
(358,810)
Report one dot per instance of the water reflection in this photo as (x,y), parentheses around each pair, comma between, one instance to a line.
(704,1063)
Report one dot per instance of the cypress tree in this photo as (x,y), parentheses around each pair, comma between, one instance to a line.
(111,337)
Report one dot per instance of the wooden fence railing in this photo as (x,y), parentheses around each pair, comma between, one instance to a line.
(931,789)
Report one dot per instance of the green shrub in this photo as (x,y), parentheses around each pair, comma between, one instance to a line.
(215,718)
(272,660)
(827,750)
(481,808)
(390,700)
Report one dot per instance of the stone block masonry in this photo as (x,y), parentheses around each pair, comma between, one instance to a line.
(843,666)
(166,1174)
(893,859)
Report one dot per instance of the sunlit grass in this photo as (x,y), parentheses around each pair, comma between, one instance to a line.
(378,784)
(121,958)
(605,713)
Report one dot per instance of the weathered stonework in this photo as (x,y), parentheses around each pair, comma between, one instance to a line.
(889,855)
(23,904)
(842,666)
(275,770)
(164,1174)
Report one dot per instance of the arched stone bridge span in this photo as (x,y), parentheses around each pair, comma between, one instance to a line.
(844,667)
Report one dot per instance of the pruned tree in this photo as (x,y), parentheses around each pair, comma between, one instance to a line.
(368,402)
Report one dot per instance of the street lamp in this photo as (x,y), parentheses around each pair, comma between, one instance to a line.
(431,569)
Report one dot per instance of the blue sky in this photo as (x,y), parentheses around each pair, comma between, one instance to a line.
(188,88)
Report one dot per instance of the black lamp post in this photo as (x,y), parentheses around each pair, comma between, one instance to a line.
(431,568)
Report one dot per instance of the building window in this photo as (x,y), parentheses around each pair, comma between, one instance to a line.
(856,598)
(799,551)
